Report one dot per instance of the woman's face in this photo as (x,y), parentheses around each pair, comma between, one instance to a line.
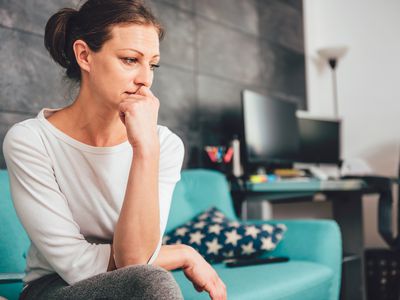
(125,63)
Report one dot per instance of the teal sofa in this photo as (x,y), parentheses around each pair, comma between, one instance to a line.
(313,246)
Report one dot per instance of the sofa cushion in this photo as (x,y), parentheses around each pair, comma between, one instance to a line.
(284,281)
(216,237)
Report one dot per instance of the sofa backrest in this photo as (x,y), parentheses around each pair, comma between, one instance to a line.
(14,243)
(198,190)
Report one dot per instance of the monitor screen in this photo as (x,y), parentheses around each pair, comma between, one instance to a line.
(319,140)
(270,129)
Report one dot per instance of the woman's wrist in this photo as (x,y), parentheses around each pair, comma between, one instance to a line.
(189,255)
(173,257)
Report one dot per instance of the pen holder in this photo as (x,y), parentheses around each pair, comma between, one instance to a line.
(219,158)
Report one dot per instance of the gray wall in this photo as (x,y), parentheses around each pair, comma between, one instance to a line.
(212,50)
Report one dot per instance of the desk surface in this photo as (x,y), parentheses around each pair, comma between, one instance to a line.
(306,185)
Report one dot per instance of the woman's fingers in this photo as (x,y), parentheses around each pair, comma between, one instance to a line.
(217,290)
(198,288)
(144,91)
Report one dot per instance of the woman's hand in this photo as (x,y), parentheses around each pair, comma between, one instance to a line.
(139,113)
(203,276)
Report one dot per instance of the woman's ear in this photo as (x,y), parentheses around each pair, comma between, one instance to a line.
(82,54)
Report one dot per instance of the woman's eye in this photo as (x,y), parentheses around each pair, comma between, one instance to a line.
(130,60)
(154,66)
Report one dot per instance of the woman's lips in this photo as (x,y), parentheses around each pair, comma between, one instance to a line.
(132,92)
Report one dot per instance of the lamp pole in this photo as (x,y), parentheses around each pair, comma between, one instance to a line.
(332,64)
(332,55)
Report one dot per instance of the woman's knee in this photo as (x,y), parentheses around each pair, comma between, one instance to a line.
(153,282)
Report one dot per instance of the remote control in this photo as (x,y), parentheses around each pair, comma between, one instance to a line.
(255,261)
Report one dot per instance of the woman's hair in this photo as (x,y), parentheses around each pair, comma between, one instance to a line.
(92,23)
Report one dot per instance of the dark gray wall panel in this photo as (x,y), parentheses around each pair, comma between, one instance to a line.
(30,15)
(228,53)
(281,24)
(175,89)
(286,73)
(181,4)
(297,4)
(239,14)
(30,80)
(178,47)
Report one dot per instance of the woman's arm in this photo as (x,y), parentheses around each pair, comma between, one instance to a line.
(137,231)
(172,257)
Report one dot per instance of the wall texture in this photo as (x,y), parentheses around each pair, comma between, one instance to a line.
(212,50)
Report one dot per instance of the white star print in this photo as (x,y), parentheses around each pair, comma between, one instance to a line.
(282,226)
(216,228)
(203,216)
(178,242)
(165,239)
(181,231)
(267,228)
(234,224)
(218,219)
(196,237)
(232,237)
(200,224)
(267,244)
(229,254)
(248,249)
(253,231)
(219,214)
(213,246)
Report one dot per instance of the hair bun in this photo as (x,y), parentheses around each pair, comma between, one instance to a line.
(56,35)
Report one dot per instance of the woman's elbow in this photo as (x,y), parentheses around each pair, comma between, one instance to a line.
(139,257)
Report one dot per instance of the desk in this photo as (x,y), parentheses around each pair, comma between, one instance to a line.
(346,197)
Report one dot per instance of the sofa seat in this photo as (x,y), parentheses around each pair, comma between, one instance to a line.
(290,281)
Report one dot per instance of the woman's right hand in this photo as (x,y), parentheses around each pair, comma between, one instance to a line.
(203,276)
(139,113)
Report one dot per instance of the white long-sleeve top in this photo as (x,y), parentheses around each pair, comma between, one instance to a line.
(68,195)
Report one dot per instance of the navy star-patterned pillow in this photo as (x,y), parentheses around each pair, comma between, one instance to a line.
(217,238)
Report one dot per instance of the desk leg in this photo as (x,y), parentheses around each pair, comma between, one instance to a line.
(347,211)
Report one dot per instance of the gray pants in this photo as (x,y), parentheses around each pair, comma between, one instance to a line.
(132,282)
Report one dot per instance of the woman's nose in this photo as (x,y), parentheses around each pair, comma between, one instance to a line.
(144,77)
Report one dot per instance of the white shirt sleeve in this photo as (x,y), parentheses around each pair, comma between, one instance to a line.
(171,159)
(44,212)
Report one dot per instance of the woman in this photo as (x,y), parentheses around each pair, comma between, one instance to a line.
(92,182)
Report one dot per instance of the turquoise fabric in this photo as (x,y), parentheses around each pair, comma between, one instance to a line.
(197,191)
(14,242)
(295,280)
(314,247)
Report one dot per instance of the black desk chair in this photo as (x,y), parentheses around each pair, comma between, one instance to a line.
(383,265)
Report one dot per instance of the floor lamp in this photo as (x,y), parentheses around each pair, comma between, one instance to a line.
(332,55)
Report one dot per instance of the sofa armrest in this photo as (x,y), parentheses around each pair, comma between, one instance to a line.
(11,277)
(311,240)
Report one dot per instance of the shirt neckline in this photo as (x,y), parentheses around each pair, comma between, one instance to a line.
(45,112)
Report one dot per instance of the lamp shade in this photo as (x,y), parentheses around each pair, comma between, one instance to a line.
(332,52)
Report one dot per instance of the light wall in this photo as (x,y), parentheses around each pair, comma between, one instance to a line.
(368,82)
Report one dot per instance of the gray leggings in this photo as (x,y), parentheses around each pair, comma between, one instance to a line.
(132,282)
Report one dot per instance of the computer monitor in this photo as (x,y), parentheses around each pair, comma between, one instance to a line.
(319,140)
(270,131)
